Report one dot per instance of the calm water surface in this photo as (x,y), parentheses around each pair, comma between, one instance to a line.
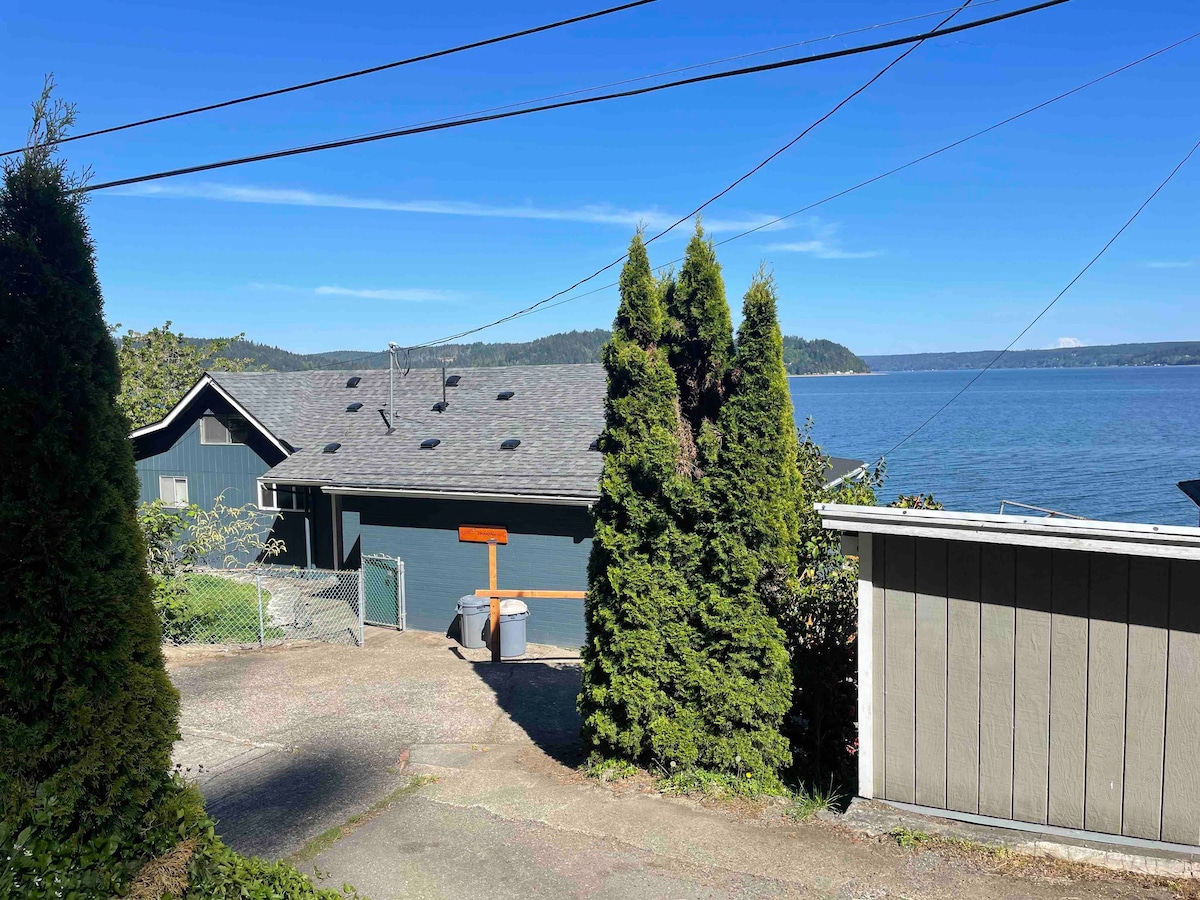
(1102,443)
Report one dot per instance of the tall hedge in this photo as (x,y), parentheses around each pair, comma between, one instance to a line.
(750,540)
(637,661)
(87,713)
(700,338)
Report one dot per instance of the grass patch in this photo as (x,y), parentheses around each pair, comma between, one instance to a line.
(719,785)
(331,836)
(602,769)
(206,609)
(808,801)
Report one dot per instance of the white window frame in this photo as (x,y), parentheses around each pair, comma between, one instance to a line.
(268,498)
(168,491)
(224,426)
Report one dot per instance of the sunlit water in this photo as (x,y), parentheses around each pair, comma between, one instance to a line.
(1102,443)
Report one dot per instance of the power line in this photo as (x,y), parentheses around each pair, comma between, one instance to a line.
(541,303)
(888,173)
(1112,240)
(343,77)
(697,79)
(692,67)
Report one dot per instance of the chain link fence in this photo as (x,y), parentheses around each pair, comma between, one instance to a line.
(262,605)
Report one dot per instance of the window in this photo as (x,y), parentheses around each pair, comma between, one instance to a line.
(280,496)
(172,490)
(223,430)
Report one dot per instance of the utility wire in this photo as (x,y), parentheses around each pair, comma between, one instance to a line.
(897,169)
(541,303)
(1112,240)
(335,78)
(916,40)
(692,67)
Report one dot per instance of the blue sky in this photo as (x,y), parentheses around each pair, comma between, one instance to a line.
(411,239)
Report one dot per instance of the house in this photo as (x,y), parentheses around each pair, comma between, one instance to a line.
(348,471)
(370,462)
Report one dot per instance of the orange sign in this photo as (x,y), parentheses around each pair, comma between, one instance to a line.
(480,534)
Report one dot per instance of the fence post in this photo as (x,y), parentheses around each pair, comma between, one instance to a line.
(258,591)
(362,605)
(399,593)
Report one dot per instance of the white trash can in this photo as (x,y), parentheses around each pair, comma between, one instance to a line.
(513,614)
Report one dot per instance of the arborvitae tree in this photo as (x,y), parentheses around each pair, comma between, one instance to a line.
(700,338)
(750,535)
(87,712)
(638,663)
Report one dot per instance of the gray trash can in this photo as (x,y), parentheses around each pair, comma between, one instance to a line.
(513,614)
(473,621)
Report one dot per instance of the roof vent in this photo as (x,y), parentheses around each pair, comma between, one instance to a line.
(429,443)
(511,444)
(331,447)
(594,445)
(453,380)
(354,407)
(353,381)
(504,395)
(441,406)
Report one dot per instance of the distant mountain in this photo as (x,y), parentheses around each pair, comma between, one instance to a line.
(1167,353)
(802,357)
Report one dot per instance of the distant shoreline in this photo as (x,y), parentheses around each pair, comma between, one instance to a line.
(835,374)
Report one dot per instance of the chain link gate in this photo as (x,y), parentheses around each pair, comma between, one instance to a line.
(383,590)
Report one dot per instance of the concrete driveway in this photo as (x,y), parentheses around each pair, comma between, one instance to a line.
(311,752)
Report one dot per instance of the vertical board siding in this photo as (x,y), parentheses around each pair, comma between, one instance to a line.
(962,677)
(1181,769)
(1068,686)
(1054,687)
(900,670)
(879,545)
(997,624)
(1031,707)
(1145,713)
(930,582)
(1108,636)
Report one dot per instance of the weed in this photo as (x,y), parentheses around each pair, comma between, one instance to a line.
(810,800)
(908,838)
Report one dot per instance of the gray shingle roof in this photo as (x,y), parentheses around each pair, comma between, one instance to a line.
(556,412)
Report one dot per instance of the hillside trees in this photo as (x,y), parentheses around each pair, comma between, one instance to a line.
(159,366)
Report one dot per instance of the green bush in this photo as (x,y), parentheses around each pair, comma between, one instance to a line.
(206,609)
(87,712)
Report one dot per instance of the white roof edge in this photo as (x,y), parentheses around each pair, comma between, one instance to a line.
(1135,539)
(206,380)
(545,499)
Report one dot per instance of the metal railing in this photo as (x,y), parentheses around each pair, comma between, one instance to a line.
(1048,513)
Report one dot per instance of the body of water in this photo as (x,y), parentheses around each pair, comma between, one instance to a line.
(1102,443)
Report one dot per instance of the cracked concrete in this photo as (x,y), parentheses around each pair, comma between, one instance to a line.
(295,740)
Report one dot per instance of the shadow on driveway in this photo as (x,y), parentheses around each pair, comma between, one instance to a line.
(539,697)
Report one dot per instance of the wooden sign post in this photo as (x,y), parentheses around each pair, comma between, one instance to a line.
(493,537)
(494,606)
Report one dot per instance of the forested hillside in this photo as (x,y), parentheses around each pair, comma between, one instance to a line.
(1167,353)
(802,357)
(819,356)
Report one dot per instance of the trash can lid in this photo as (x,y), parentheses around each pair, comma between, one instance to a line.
(472,602)
(513,607)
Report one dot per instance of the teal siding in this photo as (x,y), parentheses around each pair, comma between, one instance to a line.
(210,470)
(547,549)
